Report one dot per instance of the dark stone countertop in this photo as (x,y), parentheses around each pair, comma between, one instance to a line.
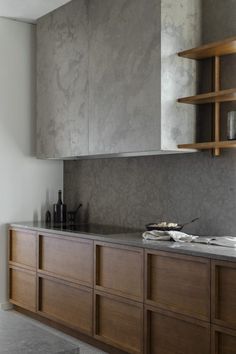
(124,236)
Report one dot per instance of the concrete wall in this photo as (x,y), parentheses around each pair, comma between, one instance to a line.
(26,184)
(135,191)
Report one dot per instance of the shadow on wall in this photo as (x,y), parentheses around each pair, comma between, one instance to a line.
(18,96)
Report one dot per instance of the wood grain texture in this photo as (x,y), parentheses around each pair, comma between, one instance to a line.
(22,288)
(223,341)
(119,322)
(228,144)
(211,97)
(67,258)
(216,121)
(22,248)
(223,293)
(171,334)
(119,270)
(178,283)
(68,304)
(219,48)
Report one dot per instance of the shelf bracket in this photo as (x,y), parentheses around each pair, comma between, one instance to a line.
(216,118)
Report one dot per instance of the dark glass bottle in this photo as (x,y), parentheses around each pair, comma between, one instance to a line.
(59,210)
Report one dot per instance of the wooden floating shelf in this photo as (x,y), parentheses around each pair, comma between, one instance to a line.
(211,97)
(224,47)
(210,145)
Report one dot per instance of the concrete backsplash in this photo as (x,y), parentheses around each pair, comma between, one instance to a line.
(135,191)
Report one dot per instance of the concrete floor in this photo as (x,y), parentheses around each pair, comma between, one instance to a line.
(22,335)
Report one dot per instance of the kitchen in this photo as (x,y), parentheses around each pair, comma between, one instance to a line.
(99,82)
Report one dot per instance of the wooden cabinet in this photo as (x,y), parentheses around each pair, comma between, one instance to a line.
(224,293)
(223,340)
(22,268)
(22,248)
(138,301)
(178,283)
(119,270)
(65,302)
(119,322)
(66,258)
(169,333)
(22,288)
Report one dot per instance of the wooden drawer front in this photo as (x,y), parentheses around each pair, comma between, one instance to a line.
(22,248)
(168,334)
(119,322)
(224,293)
(70,259)
(69,304)
(223,341)
(178,283)
(22,288)
(119,270)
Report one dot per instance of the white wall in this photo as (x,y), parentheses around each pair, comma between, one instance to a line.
(25,182)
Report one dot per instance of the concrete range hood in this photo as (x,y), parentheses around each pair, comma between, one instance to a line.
(109,77)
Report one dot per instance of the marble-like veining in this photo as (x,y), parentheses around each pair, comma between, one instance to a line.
(109,77)
(62,82)
(180,30)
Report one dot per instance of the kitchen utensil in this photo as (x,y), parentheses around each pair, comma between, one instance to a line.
(179,227)
(72,215)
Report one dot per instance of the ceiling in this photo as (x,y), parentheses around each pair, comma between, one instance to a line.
(28,10)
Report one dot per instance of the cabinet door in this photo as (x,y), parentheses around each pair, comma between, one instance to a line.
(22,248)
(22,288)
(69,304)
(124,76)
(119,322)
(168,333)
(66,258)
(223,341)
(224,293)
(119,270)
(62,82)
(178,283)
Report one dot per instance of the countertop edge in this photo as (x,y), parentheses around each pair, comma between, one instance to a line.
(196,250)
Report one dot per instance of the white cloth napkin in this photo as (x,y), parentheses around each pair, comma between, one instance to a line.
(168,235)
(224,241)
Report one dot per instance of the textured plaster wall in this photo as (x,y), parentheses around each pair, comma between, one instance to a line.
(134,191)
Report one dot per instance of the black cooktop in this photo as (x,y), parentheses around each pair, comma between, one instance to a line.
(94,229)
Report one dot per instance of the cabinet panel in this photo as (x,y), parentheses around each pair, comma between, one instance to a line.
(68,258)
(119,270)
(124,76)
(223,341)
(69,304)
(22,248)
(224,293)
(22,288)
(178,283)
(62,82)
(168,333)
(119,322)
